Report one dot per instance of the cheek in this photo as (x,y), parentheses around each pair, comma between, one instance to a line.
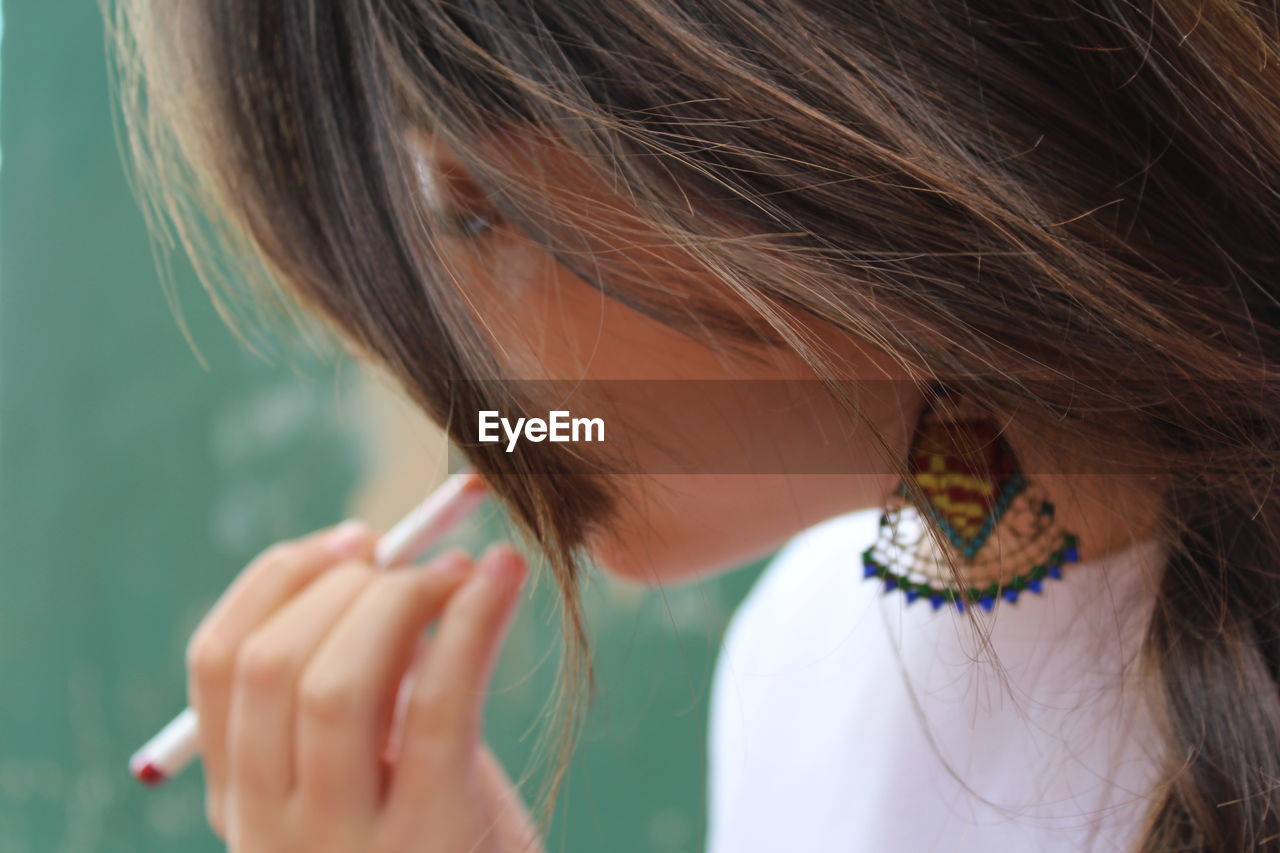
(508,290)
(545,322)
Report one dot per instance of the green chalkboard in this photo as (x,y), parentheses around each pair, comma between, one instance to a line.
(135,483)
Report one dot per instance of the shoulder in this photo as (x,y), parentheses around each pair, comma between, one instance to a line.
(815,571)
(783,658)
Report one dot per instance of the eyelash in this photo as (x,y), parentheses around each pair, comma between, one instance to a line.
(467,211)
(472,226)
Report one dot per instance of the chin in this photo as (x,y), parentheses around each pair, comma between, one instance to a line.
(643,565)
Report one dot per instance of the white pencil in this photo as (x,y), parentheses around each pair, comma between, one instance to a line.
(173,748)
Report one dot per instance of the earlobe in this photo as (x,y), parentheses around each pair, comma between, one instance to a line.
(963,478)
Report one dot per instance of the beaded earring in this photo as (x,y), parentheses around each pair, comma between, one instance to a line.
(967,481)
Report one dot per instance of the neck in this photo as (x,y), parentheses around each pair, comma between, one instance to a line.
(1106,512)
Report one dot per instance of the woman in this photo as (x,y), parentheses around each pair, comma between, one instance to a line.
(981,297)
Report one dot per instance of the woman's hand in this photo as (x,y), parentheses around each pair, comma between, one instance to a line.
(295,675)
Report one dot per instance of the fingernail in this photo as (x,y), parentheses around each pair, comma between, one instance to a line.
(501,563)
(348,537)
(453,563)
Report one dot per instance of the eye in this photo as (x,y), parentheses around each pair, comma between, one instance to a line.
(462,223)
(465,207)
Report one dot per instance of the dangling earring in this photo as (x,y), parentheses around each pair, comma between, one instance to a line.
(967,481)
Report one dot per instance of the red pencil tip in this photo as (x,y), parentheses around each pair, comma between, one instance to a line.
(148,774)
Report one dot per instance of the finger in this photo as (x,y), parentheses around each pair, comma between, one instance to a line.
(260,723)
(442,718)
(392,747)
(345,694)
(272,578)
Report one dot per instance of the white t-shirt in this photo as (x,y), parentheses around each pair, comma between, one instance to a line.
(816,742)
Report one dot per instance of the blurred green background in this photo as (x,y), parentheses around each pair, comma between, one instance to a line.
(135,483)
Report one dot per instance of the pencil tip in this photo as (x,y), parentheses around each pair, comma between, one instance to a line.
(148,774)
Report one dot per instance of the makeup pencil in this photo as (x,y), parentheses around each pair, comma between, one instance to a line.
(174,746)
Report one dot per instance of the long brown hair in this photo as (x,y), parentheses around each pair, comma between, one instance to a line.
(988,191)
